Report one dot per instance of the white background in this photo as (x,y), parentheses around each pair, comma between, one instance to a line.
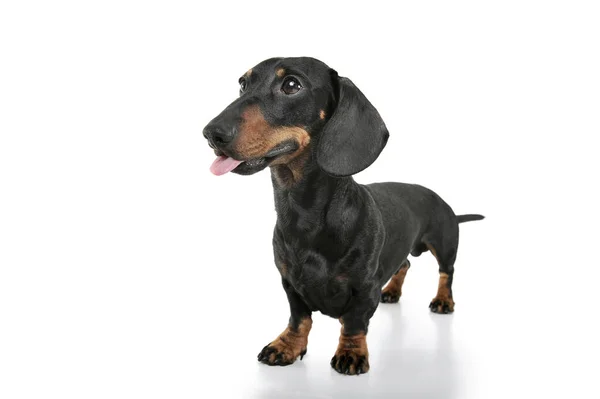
(128,270)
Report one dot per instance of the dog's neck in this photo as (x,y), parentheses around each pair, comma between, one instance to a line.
(303,190)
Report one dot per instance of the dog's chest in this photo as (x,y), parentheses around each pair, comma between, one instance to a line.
(317,281)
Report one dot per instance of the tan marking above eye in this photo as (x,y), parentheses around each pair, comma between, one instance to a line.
(280,72)
(249,72)
(322,114)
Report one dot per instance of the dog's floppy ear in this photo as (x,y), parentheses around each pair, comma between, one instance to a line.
(355,134)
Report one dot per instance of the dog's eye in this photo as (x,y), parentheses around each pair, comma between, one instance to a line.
(291,85)
(242,85)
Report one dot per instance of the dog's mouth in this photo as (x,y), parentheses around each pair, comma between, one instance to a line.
(225,164)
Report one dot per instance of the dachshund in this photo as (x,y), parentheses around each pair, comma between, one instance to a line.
(336,242)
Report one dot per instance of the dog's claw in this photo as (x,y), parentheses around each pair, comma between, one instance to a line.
(442,306)
(276,356)
(387,297)
(359,367)
(302,354)
(350,364)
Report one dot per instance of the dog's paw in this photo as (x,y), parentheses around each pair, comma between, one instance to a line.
(442,305)
(347,361)
(290,344)
(277,353)
(390,296)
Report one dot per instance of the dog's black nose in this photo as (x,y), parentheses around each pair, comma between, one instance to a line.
(217,136)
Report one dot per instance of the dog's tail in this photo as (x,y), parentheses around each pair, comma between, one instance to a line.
(468,218)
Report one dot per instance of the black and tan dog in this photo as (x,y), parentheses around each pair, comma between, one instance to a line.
(336,242)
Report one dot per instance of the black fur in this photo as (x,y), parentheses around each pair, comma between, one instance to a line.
(337,242)
(355,134)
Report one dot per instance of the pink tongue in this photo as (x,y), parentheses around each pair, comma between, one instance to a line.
(222,165)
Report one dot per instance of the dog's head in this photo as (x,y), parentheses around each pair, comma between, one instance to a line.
(293,106)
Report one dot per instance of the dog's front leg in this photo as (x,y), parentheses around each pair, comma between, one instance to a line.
(352,354)
(292,342)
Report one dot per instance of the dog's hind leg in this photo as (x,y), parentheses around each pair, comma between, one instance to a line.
(444,250)
(393,290)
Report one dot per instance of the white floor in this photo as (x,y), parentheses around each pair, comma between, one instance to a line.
(127,270)
(518,331)
(176,310)
(515,333)
(413,354)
